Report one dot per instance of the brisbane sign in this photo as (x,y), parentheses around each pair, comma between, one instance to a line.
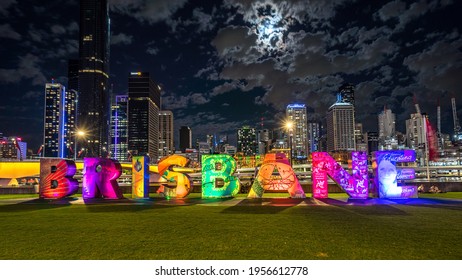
(100,177)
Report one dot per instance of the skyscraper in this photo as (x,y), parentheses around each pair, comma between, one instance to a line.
(73,74)
(264,141)
(247,141)
(166,146)
(94,100)
(143,115)
(119,128)
(296,113)
(347,93)
(314,133)
(415,131)
(341,127)
(185,138)
(59,115)
(386,124)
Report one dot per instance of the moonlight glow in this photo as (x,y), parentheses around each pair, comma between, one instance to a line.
(269,26)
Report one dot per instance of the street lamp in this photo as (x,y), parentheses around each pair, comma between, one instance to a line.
(78,133)
(289,126)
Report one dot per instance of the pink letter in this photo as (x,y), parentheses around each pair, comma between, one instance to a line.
(99,178)
(356,185)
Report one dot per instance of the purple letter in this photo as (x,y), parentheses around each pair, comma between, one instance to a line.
(99,178)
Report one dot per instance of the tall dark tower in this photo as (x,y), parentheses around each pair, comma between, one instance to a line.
(94,100)
(143,115)
(185,138)
(347,93)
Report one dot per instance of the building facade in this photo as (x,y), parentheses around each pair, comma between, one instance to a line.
(59,121)
(415,131)
(387,124)
(94,100)
(296,114)
(247,141)
(166,144)
(347,94)
(264,140)
(12,148)
(143,115)
(119,128)
(314,134)
(341,127)
(185,138)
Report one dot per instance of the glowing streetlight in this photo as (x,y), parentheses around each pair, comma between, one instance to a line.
(289,126)
(77,134)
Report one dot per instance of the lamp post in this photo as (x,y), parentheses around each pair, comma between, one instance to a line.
(289,126)
(78,133)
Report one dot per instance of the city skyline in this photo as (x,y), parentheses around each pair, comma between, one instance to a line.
(226,64)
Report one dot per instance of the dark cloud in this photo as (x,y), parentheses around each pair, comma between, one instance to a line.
(147,11)
(6,31)
(28,68)
(5,6)
(121,39)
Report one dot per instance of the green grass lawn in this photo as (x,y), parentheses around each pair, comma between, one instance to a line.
(428,230)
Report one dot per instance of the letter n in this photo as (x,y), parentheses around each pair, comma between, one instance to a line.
(355,185)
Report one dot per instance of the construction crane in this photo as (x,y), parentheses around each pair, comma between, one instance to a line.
(438,123)
(457,139)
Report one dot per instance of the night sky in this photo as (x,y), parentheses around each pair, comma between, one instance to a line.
(225,64)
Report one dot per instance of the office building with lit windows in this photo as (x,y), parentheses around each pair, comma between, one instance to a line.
(143,115)
(166,145)
(296,114)
(247,141)
(94,100)
(119,128)
(314,134)
(59,118)
(341,127)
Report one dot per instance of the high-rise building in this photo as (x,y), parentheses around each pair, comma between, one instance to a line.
(264,138)
(143,115)
(73,74)
(341,127)
(415,131)
(166,146)
(372,141)
(211,142)
(59,116)
(347,93)
(386,124)
(247,141)
(119,128)
(185,138)
(94,100)
(12,148)
(296,114)
(314,134)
